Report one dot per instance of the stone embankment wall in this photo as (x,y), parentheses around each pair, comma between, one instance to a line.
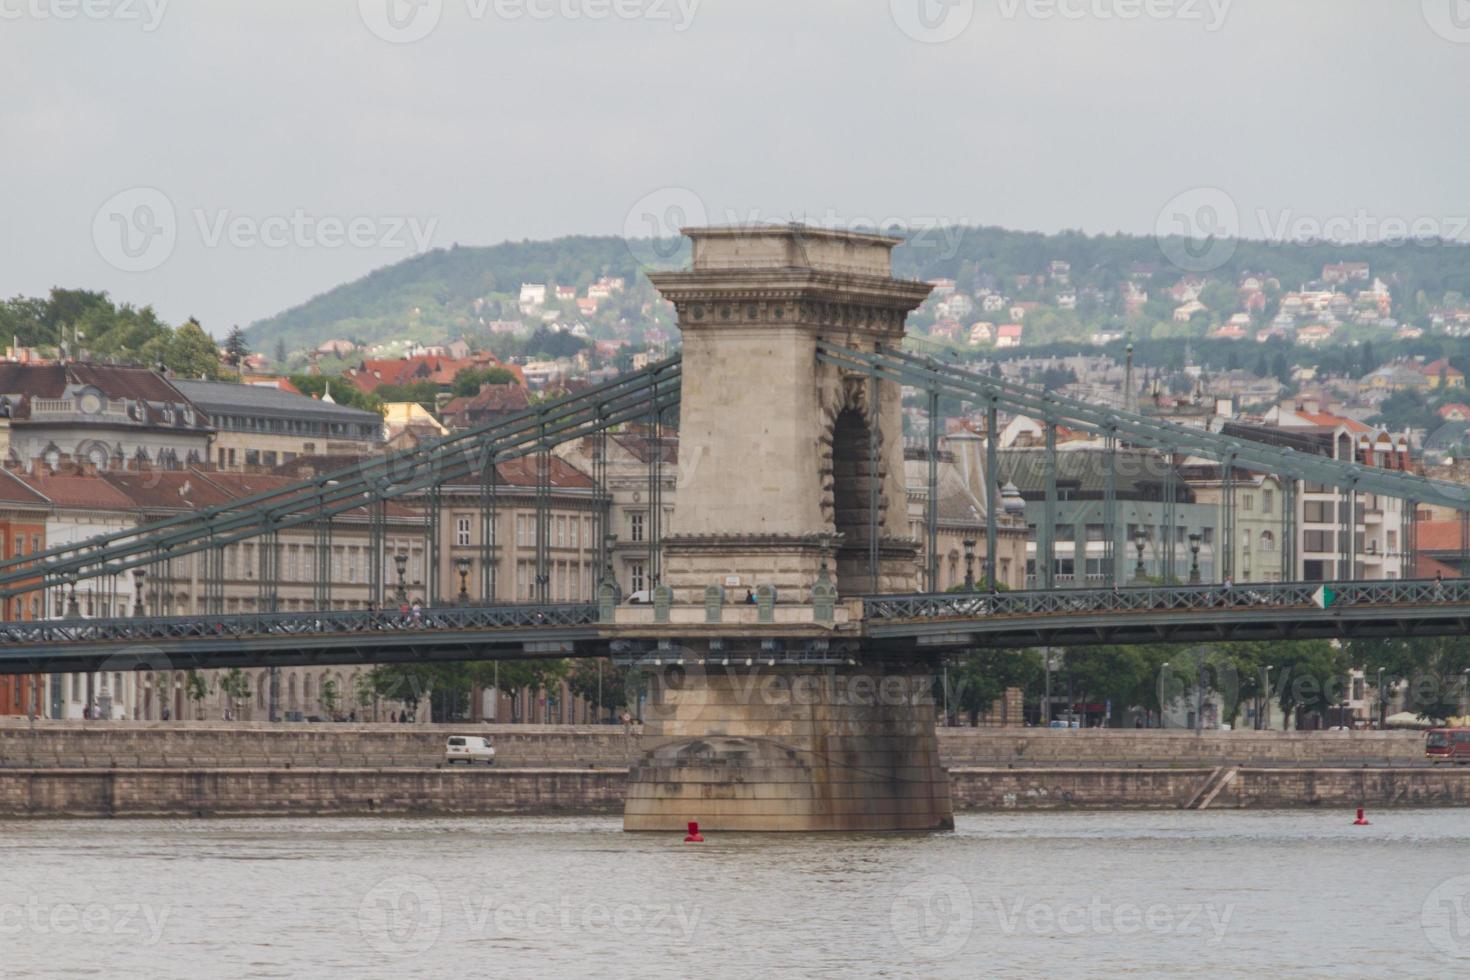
(1174,747)
(84,745)
(307,792)
(142,769)
(245,744)
(339,792)
(1056,788)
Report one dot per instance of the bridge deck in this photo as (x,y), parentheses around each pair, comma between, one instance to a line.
(888,624)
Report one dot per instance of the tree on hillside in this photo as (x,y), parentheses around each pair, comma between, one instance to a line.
(188,352)
(1406,409)
(1366,360)
(236,350)
(1222,298)
(468,381)
(280,353)
(425,393)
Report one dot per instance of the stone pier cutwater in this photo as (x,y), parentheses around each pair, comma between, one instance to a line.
(789,747)
(774,715)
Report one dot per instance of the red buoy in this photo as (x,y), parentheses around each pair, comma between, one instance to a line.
(694,837)
(1362,821)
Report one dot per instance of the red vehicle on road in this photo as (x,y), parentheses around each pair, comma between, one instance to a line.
(1447,745)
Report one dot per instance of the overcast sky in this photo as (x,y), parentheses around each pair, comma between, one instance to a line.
(230,158)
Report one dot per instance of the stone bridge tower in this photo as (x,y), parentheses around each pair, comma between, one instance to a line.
(775,716)
(780,451)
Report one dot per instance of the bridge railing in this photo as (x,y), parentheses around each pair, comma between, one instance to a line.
(313,622)
(1245,597)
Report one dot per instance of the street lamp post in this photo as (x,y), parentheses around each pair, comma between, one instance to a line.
(400,560)
(1194,541)
(1140,574)
(1382,704)
(1266,697)
(609,541)
(1199,695)
(969,564)
(1163,667)
(138,576)
(1044,715)
(463,566)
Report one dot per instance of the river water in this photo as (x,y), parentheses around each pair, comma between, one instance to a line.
(1275,894)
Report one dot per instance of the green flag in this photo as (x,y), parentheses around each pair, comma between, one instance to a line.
(1324,597)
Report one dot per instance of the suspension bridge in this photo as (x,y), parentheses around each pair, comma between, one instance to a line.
(789,404)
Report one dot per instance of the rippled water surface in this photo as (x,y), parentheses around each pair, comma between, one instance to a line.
(1137,894)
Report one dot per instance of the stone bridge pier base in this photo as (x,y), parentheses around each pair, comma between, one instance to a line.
(743,744)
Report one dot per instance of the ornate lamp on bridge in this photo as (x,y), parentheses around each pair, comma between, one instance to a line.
(969,564)
(73,611)
(1140,575)
(138,576)
(609,541)
(1194,540)
(462,564)
(401,593)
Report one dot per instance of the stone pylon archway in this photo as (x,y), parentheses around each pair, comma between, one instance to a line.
(780,435)
(772,716)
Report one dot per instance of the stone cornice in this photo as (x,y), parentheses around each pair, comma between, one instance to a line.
(789,285)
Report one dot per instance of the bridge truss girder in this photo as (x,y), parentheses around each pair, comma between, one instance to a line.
(454,458)
(932,376)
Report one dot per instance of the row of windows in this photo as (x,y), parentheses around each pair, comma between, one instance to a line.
(302,427)
(562,531)
(566,581)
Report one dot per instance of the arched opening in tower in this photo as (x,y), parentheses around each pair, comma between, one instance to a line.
(857,502)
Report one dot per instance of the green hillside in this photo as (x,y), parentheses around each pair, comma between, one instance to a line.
(446,293)
(432,297)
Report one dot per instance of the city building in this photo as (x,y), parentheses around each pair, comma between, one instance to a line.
(1158,523)
(102,414)
(22,533)
(1338,538)
(257,425)
(960,518)
(637,465)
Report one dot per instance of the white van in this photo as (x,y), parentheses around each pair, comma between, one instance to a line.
(469,749)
